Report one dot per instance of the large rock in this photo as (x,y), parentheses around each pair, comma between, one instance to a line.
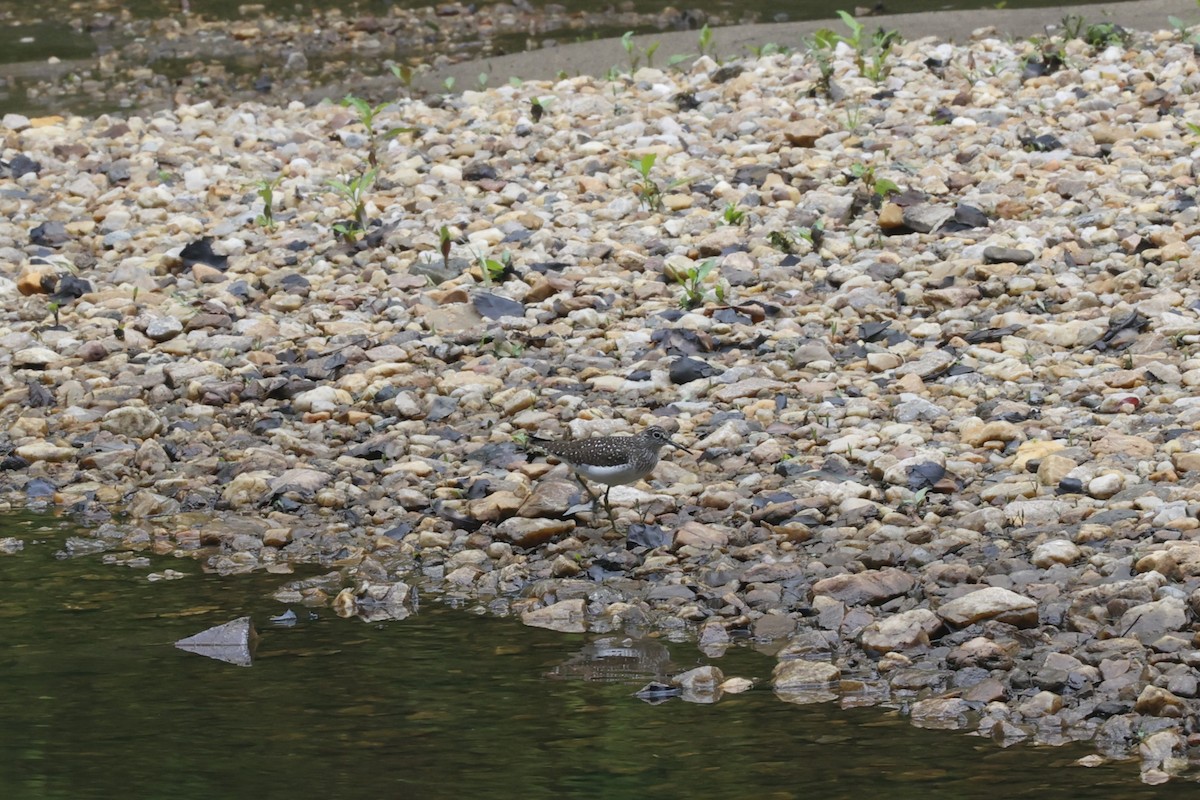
(801,681)
(901,631)
(533,532)
(1149,621)
(991,603)
(232,642)
(870,587)
(941,713)
(135,422)
(700,685)
(566,616)
(550,499)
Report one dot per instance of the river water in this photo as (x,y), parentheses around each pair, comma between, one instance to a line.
(96,702)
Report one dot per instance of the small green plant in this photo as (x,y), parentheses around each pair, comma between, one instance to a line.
(375,138)
(405,74)
(786,242)
(853,116)
(914,503)
(636,54)
(770,49)
(813,234)
(732,215)
(879,189)
(448,84)
(53,307)
(495,269)
(445,239)
(782,241)
(705,42)
(537,107)
(820,46)
(266,190)
(871,53)
(1072,26)
(1185,32)
(482,80)
(677,59)
(354,191)
(694,294)
(1106,34)
(646,188)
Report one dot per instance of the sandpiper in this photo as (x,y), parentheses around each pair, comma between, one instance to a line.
(610,460)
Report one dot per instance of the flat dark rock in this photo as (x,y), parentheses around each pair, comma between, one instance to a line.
(1006,255)
(493,306)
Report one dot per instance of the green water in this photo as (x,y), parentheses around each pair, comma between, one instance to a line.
(95,702)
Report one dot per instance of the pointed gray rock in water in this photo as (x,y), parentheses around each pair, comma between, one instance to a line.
(233,642)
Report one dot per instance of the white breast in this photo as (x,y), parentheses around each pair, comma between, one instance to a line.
(610,476)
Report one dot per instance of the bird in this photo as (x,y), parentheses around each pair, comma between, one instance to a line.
(610,460)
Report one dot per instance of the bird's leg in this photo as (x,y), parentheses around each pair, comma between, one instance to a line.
(608,508)
(588,490)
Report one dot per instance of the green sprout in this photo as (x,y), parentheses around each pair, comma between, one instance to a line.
(732,215)
(769,49)
(266,190)
(705,41)
(781,241)
(495,269)
(366,115)
(647,189)
(405,74)
(692,282)
(871,53)
(635,55)
(537,107)
(354,191)
(444,242)
(880,189)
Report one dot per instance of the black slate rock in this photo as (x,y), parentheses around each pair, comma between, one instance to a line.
(925,475)
(22,164)
(12,463)
(686,370)
(494,306)
(480,171)
(201,252)
(49,234)
(70,288)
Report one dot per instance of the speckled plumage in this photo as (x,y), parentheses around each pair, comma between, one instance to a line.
(610,460)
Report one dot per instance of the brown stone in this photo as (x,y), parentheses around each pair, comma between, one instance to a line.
(865,588)
(533,532)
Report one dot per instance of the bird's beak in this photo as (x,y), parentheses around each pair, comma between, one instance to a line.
(678,446)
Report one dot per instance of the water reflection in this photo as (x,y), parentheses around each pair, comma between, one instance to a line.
(97,703)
